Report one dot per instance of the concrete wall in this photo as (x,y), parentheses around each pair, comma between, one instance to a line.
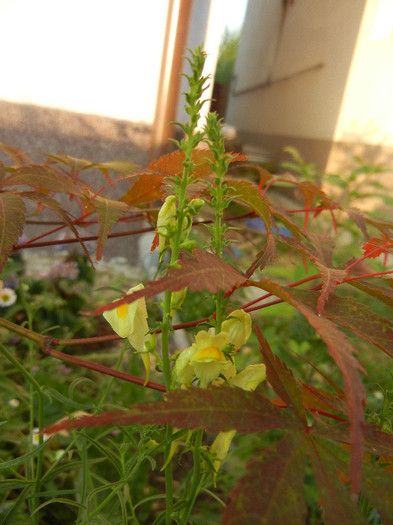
(315,75)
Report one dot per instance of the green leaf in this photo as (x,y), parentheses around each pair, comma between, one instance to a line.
(272,490)
(12,220)
(248,193)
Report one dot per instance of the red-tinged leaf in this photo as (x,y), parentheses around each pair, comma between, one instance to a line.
(376,442)
(283,217)
(48,202)
(72,162)
(374,247)
(322,401)
(331,277)
(271,492)
(172,163)
(342,352)
(217,408)
(377,486)
(117,166)
(248,193)
(43,178)
(382,293)
(146,189)
(281,379)
(12,220)
(359,219)
(19,157)
(109,211)
(337,505)
(203,270)
(309,192)
(356,317)
(265,256)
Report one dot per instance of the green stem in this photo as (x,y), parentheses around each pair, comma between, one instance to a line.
(196,476)
(36,472)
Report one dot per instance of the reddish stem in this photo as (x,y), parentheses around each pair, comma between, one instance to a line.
(102,369)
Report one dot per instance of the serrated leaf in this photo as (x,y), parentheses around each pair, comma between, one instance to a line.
(217,408)
(266,255)
(72,162)
(146,189)
(53,205)
(281,379)
(377,486)
(248,193)
(348,313)
(109,211)
(342,352)
(12,220)
(19,157)
(203,270)
(382,293)
(338,506)
(331,277)
(118,166)
(271,492)
(43,178)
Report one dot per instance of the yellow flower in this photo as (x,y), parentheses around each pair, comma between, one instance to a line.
(204,359)
(248,380)
(130,321)
(238,325)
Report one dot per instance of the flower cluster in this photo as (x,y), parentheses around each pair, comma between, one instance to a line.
(207,358)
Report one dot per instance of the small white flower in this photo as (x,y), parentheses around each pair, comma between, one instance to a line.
(7,297)
(14,403)
(35,438)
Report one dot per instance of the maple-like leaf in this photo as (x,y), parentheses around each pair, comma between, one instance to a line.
(331,277)
(12,220)
(266,255)
(271,492)
(19,157)
(247,192)
(342,352)
(338,506)
(109,211)
(281,379)
(382,293)
(43,178)
(375,246)
(348,313)
(53,205)
(216,408)
(203,270)
(146,189)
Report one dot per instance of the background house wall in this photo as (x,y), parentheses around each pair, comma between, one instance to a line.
(314,75)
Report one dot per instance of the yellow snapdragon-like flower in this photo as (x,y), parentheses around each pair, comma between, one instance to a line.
(238,325)
(248,379)
(204,359)
(130,321)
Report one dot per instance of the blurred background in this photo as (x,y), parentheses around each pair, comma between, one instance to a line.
(102,80)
